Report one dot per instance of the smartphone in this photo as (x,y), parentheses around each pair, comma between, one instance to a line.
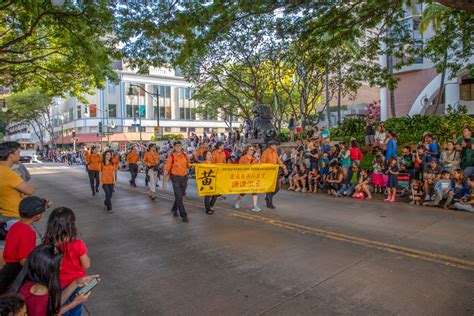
(87,288)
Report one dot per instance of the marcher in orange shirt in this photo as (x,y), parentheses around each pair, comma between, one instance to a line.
(177,167)
(152,160)
(209,200)
(93,168)
(107,176)
(86,154)
(248,159)
(218,155)
(271,156)
(116,161)
(201,151)
(132,160)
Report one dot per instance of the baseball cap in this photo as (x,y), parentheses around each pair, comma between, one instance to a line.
(273,142)
(31,206)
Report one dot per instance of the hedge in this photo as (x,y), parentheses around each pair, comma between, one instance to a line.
(410,129)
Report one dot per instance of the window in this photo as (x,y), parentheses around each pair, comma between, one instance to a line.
(135,104)
(112,110)
(79,111)
(111,88)
(70,114)
(183,129)
(168,129)
(467,91)
(142,129)
(131,129)
(186,104)
(93,110)
(163,100)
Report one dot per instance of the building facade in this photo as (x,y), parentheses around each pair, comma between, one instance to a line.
(135,109)
(419,83)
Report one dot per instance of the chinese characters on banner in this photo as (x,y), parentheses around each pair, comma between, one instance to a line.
(213,179)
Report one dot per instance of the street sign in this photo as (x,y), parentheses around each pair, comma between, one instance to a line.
(136,125)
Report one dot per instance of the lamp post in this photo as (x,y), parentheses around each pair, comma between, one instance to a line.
(156,95)
(61,117)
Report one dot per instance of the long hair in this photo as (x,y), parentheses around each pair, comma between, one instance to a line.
(247,148)
(42,267)
(61,227)
(104,161)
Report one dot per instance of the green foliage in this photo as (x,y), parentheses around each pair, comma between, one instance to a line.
(172,137)
(284,135)
(409,130)
(58,48)
(27,106)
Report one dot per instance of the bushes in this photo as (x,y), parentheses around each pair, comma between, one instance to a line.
(410,129)
(168,137)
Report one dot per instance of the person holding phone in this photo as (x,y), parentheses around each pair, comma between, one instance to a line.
(39,283)
(61,231)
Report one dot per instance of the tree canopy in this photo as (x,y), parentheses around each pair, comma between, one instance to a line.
(59,48)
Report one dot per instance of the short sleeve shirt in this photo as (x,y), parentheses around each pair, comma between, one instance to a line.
(71,266)
(10,197)
(20,241)
(37,305)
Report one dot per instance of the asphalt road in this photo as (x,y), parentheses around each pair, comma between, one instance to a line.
(313,255)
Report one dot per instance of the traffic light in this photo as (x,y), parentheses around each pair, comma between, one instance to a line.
(74,133)
(100,128)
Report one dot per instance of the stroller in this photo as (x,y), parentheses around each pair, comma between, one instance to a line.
(404,186)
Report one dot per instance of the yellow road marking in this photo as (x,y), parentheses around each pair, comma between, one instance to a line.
(405,251)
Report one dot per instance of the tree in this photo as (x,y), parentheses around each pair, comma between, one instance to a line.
(184,31)
(59,48)
(32,108)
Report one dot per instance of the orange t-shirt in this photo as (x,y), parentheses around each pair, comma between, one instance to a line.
(151,158)
(94,161)
(177,164)
(244,160)
(133,157)
(107,174)
(116,161)
(270,156)
(201,151)
(218,157)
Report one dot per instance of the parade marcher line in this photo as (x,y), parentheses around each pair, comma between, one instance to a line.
(386,247)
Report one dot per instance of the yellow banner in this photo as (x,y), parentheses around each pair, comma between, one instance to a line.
(214,179)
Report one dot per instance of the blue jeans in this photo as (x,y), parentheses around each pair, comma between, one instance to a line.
(464,207)
(76,311)
(348,188)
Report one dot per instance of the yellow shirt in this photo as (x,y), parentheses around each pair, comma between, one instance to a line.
(9,197)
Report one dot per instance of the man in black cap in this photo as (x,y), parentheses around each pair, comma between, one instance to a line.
(271,156)
(21,239)
(177,168)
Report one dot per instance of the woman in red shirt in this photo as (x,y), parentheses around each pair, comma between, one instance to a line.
(39,283)
(107,177)
(61,231)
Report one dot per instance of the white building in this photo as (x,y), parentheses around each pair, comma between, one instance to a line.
(419,82)
(131,118)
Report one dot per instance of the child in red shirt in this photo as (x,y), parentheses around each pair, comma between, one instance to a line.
(21,239)
(61,231)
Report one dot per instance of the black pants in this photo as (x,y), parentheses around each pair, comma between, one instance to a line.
(8,274)
(147,177)
(94,179)
(134,172)
(209,201)
(179,187)
(270,195)
(109,190)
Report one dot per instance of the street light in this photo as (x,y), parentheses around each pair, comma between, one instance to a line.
(156,95)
